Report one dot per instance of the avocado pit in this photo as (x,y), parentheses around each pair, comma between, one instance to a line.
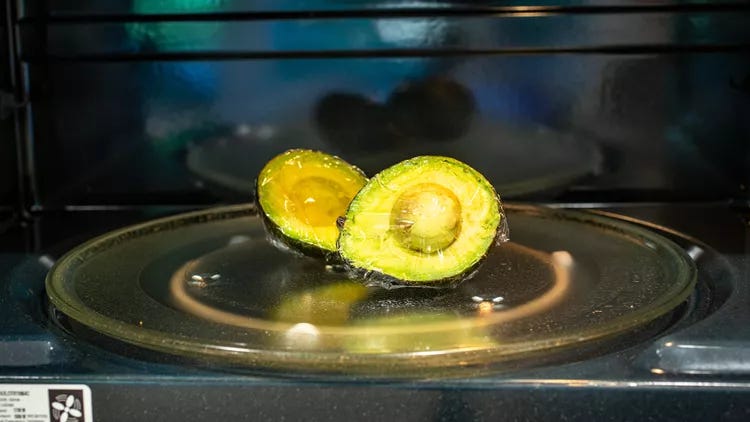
(426,218)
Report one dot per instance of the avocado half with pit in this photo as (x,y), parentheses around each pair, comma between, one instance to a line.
(300,194)
(427,221)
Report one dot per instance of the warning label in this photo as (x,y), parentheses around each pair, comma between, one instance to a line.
(45,403)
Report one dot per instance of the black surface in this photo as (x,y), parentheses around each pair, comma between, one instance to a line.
(522,402)
(722,226)
(8,165)
(12,234)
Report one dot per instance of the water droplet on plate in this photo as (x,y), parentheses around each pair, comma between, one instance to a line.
(203,280)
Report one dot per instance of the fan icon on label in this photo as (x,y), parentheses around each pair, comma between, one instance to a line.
(66,408)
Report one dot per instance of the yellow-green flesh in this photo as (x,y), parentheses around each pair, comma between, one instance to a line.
(425,219)
(303,192)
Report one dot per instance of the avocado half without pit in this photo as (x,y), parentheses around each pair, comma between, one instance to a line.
(427,221)
(300,194)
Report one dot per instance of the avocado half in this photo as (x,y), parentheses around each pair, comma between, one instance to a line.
(300,194)
(427,221)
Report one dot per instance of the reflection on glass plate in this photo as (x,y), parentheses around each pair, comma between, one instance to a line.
(517,161)
(208,285)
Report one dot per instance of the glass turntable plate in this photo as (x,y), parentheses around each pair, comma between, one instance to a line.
(208,285)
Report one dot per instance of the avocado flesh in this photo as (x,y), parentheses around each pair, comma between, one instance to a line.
(301,193)
(425,221)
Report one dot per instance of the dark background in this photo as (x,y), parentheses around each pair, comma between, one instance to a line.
(658,90)
(8,182)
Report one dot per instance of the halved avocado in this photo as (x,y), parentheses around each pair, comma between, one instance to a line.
(426,221)
(300,193)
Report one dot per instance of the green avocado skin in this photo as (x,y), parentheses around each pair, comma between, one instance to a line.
(376,278)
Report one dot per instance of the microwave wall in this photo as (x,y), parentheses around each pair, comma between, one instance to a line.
(182,102)
(8,165)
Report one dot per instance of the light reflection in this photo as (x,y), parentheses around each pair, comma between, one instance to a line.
(569,382)
(697,346)
(47,261)
(260,133)
(485,308)
(232,349)
(563,258)
(412,32)
(528,11)
(304,328)
(202,280)
(303,334)
(429,353)
(242,130)
(266,132)
(657,371)
(695,252)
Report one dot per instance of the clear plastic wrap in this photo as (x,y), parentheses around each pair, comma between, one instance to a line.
(300,194)
(427,221)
